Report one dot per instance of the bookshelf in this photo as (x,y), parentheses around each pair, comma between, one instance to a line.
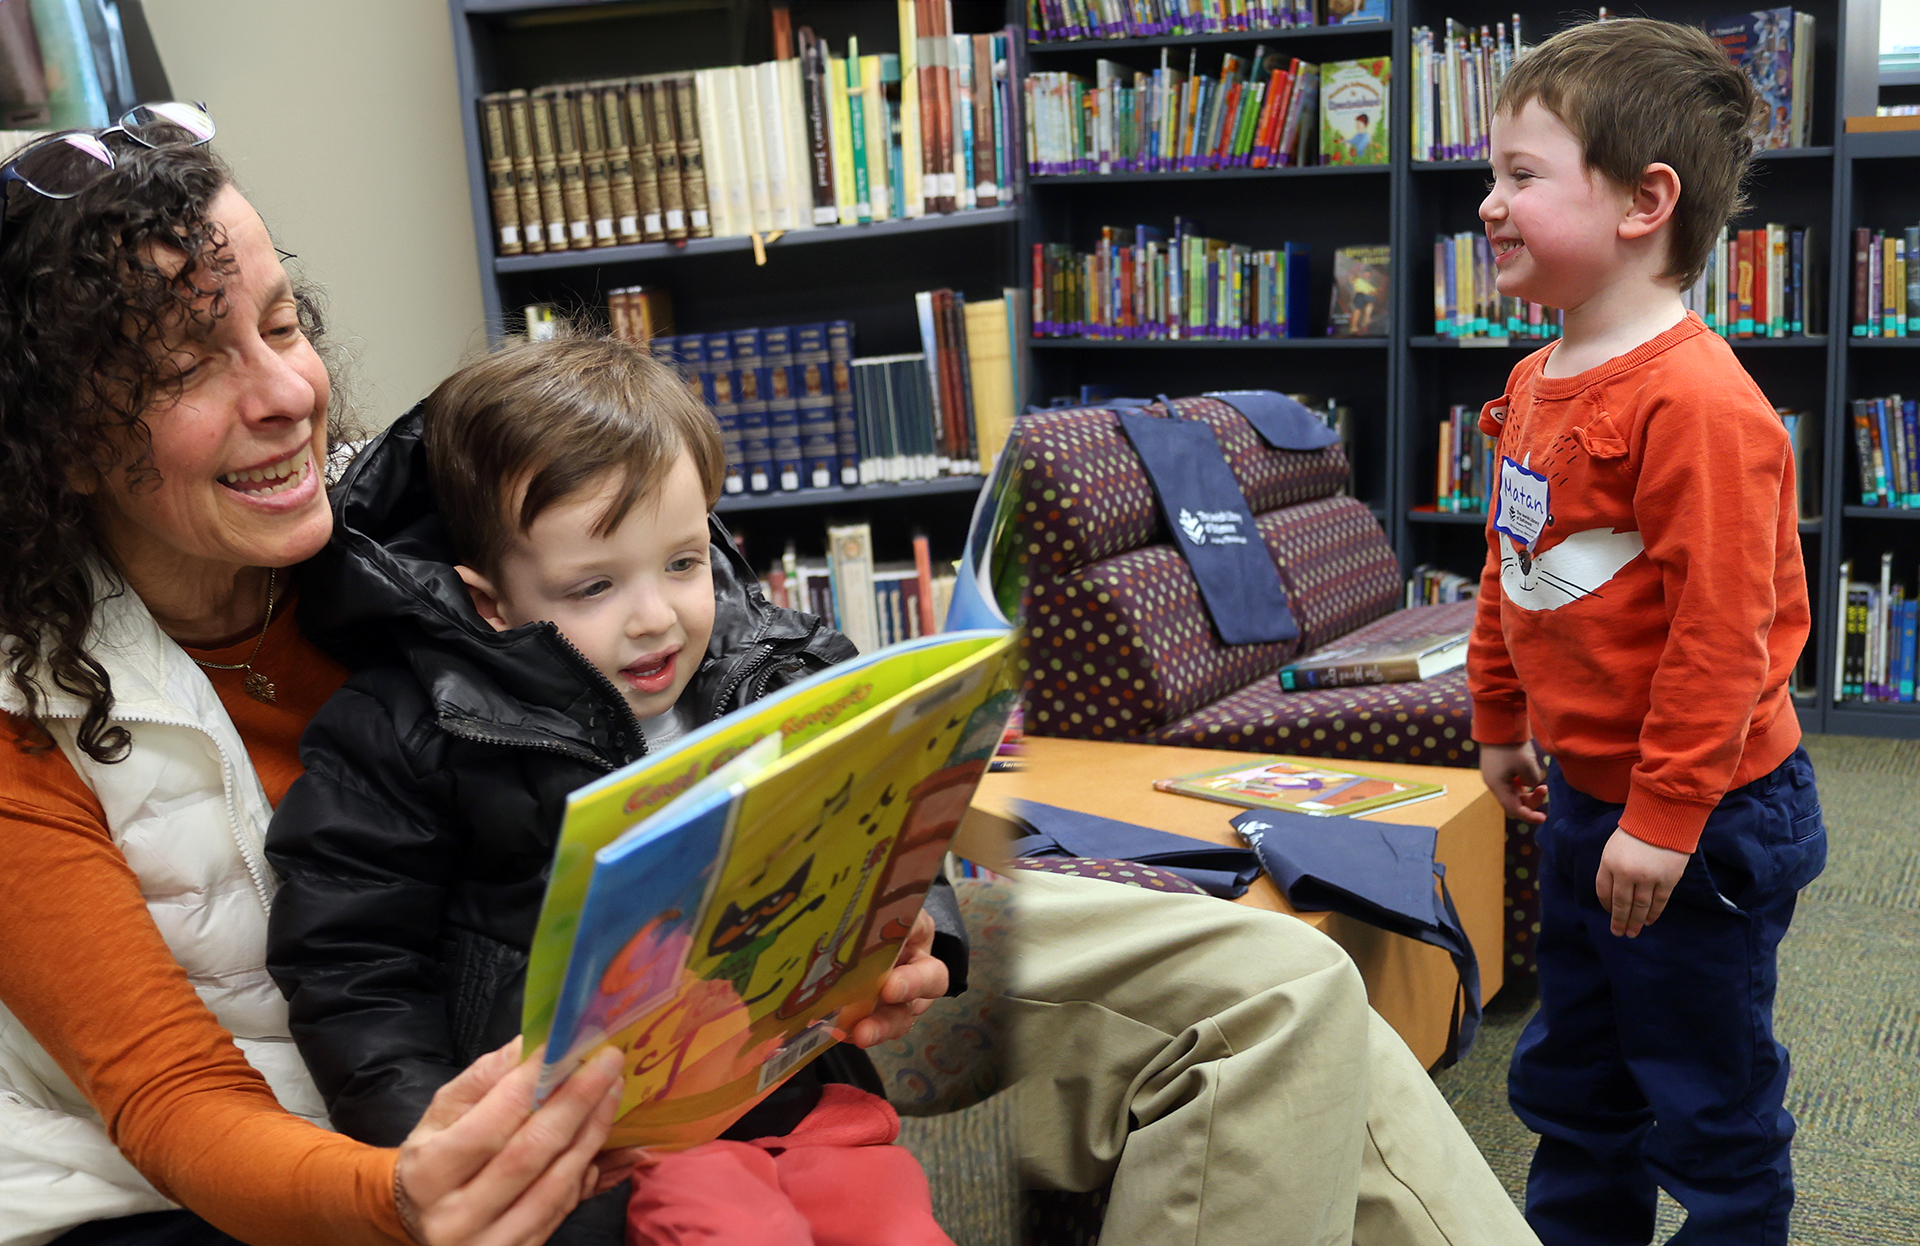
(1398,386)
(867,274)
(1878,187)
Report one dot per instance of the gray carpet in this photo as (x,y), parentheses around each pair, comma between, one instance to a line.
(968,1156)
(1848,1010)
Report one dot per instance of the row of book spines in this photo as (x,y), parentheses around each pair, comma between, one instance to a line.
(873,605)
(1455,85)
(1755,283)
(1886,443)
(892,136)
(1465,302)
(1131,19)
(1432,586)
(900,433)
(1881,627)
(1166,124)
(783,398)
(594,165)
(1194,288)
(1886,283)
(1463,481)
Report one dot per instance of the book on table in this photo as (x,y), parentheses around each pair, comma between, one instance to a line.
(1376,662)
(724,910)
(1300,785)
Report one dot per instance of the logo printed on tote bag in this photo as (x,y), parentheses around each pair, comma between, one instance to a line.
(1215,527)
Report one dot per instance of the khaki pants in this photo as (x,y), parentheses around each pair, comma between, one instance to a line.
(1221,1067)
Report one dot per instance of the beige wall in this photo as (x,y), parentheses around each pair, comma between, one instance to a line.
(341,121)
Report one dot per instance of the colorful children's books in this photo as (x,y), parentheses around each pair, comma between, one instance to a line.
(1774,47)
(1353,111)
(724,910)
(1361,292)
(1300,785)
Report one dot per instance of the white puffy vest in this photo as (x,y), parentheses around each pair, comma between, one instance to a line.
(188,812)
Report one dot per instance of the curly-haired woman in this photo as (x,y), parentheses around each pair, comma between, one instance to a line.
(163,429)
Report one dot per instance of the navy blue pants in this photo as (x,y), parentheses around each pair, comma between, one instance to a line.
(1652,1061)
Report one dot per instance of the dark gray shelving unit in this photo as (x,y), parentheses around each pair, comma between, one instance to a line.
(1878,188)
(867,274)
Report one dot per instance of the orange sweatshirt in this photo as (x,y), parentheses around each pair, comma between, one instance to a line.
(1644,599)
(118,1014)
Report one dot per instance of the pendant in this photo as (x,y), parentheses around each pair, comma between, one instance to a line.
(259,687)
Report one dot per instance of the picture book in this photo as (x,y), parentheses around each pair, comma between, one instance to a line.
(1300,785)
(1348,12)
(724,910)
(1764,45)
(1361,292)
(1376,662)
(1353,111)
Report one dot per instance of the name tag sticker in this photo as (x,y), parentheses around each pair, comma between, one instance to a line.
(1522,509)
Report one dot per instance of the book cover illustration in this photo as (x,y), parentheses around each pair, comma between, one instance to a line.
(1353,111)
(1361,292)
(1349,12)
(1300,786)
(1376,662)
(1761,44)
(724,911)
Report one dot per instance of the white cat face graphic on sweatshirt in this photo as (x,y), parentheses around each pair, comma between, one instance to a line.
(1578,566)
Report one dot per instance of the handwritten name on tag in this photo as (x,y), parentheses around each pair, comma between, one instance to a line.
(1522,511)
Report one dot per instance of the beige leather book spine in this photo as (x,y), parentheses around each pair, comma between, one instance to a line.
(573,169)
(693,169)
(526,183)
(546,166)
(500,187)
(666,156)
(646,166)
(626,205)
(593,158)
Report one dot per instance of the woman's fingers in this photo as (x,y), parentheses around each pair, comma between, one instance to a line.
(497,1176)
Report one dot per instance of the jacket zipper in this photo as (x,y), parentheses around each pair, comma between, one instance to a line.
(753,664)
(255,870)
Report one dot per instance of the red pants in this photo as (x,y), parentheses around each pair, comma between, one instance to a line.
(837,1180)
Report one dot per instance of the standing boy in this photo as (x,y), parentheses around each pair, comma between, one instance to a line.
(1641,611)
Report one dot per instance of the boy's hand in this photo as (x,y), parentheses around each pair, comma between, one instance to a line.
(909,989)
(1634,881)
(1513,772)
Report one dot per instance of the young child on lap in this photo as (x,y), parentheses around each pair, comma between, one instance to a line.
(1641,611)
(526,580)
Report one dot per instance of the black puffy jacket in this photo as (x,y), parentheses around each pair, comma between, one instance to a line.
(413,853)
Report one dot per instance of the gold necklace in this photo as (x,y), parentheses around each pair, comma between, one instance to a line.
(258,686)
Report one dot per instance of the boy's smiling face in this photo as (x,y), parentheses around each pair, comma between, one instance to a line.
(637,602)
(1554,224)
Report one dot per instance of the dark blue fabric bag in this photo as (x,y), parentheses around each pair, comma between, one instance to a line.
(1211,523)
(1375,872)
(1218,869)
(1281,422)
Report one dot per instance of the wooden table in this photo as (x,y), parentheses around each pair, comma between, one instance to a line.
(1410,984)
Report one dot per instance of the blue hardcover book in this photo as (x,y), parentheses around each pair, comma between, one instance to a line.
(717,386)
(1761,43)
(845,418)
(1910,422)
(783,407)
(1909,656)
(813,389)
(749,382)
(1299,319)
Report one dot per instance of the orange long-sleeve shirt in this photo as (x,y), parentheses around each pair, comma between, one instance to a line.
(1644,626)
(84,969)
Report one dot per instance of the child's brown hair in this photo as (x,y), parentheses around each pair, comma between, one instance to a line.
(549,419)
(1636,92)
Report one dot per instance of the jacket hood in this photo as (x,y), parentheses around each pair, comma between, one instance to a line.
(384,590)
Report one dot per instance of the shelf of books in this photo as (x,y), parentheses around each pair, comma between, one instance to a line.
(810,210)
(1210,205)
(1767,286)
(1869,623)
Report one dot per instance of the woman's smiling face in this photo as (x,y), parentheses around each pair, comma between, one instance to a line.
(239,453)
